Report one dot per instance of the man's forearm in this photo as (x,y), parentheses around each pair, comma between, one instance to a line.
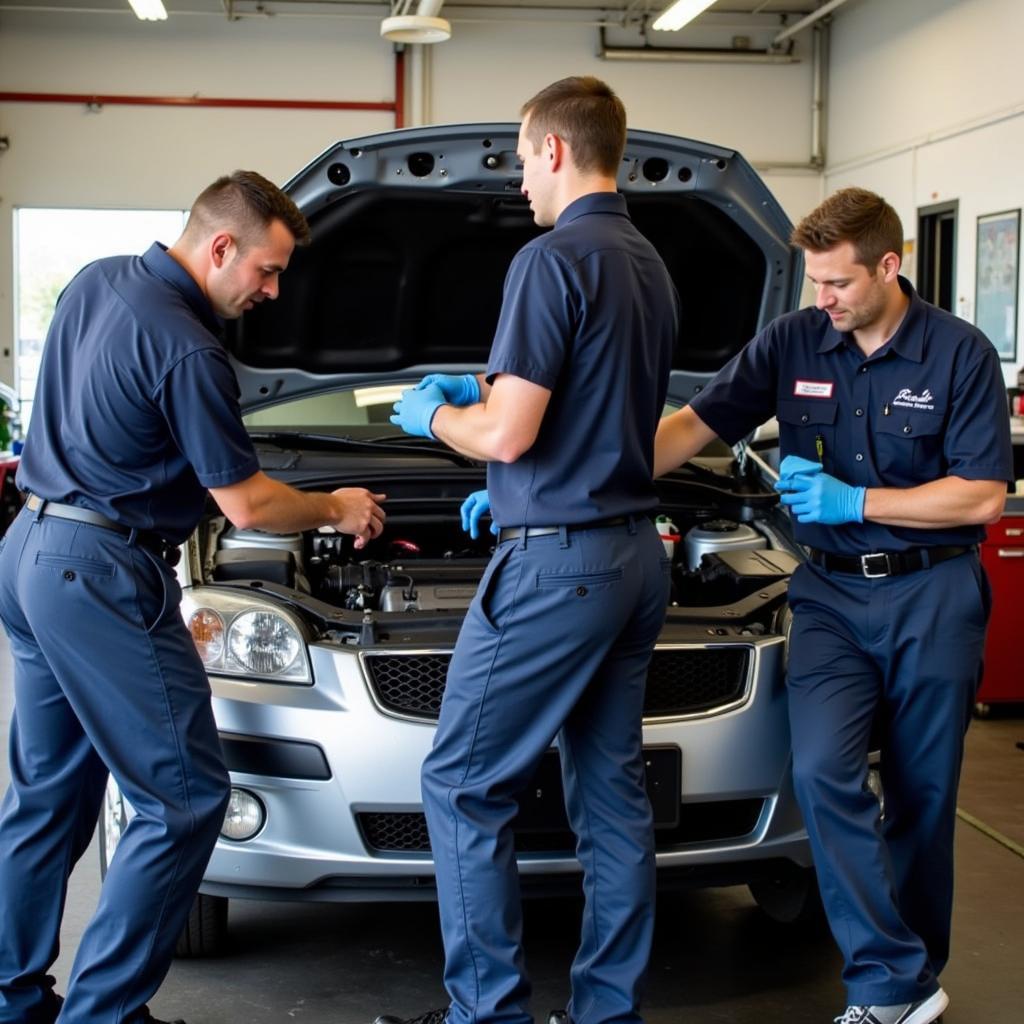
(476,431)
(941,504)
(680,437)
(283,509)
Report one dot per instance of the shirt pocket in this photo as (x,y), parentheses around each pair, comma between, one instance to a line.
(808,428)
(909,447)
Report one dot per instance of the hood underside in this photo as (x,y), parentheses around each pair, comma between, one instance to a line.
(413,232)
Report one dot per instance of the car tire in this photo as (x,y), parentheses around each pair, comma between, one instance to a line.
(206,930)
(791,898)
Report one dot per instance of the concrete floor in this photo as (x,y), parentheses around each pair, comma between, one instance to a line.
(716,958)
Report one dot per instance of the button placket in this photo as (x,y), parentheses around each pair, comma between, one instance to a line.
(859,424)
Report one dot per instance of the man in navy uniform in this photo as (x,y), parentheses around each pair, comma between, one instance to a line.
(559,636)
(896,445)
(136,418)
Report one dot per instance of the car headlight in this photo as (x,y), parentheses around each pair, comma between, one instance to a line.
(244,817)
(237,635)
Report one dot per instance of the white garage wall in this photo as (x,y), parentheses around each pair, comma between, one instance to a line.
(148,157)
(156,157)
(927,106)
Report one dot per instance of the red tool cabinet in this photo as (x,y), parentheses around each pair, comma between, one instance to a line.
(1002,555)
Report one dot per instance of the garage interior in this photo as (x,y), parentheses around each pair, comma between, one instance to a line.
(921,101)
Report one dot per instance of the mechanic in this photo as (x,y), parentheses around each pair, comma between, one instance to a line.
(136,416)
(893,423)
(559,635)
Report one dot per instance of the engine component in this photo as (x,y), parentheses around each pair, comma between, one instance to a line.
(414,597)
(750,565)
(262,563)
(236,538)
(719,535)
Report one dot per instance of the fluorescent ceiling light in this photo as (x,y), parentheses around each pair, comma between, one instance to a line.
(149,10)
(681,13)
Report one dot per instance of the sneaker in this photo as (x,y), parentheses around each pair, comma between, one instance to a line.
(430,1017)
(927,1011)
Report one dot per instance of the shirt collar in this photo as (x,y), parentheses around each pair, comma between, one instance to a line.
(908,341)
(593,202)
(164,265)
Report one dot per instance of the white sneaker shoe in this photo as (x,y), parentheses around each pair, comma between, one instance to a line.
(927,1011)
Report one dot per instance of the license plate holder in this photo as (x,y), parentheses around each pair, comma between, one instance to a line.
(542,804)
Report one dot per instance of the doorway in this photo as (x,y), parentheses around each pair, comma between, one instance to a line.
(936,254)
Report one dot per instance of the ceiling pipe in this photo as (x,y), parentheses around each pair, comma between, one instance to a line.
(809,20)
(692,55)
(819,94)
(95,101)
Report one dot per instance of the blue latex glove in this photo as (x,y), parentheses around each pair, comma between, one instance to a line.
(416,408)
(793,464)
(475,506)
(461,389)
(820,498)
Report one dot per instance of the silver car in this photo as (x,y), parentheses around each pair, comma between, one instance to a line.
(328,664)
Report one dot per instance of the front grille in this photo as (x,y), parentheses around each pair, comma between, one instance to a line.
(686,682)
(716,821)
(680,682)
(409,684)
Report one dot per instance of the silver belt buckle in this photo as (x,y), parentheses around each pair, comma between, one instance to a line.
(868,574)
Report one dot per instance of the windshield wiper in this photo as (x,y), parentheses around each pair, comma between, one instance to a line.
(332,442)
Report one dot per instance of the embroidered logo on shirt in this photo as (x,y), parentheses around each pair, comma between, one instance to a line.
(813,388)
(906,399)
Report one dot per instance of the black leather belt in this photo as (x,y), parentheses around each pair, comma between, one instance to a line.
(515,532)
(887,563)
(145,538)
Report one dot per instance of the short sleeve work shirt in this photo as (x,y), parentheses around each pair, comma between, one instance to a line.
(136,411)
(590,313)
(928,404)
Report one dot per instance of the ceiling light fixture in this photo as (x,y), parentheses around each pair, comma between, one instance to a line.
(149,10)
(422,27)
(681,13)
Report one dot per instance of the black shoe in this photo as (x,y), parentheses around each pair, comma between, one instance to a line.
(430,1017)
(149,1018)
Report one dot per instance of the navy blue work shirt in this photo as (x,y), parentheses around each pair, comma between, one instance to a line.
(136,410)
(930,403)
(589,312)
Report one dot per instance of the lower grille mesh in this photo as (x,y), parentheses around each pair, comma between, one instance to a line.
(717,821)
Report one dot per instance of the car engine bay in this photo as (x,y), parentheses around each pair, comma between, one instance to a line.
(432,565)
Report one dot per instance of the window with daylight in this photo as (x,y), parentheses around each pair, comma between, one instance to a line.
(51,246)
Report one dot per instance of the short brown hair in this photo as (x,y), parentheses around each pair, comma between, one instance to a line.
(584,112)
(852,215)
(247,204)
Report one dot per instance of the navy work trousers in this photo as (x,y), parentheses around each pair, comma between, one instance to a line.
(106,678)
(895,660)
(557,642)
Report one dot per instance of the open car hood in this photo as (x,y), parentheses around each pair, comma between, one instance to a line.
(414,230)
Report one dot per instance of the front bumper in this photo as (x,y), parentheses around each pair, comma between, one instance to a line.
(315,845)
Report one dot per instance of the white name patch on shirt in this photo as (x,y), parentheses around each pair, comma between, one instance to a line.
(813,388)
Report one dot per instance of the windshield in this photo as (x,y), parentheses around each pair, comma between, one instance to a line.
(332,412)
(339,412)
